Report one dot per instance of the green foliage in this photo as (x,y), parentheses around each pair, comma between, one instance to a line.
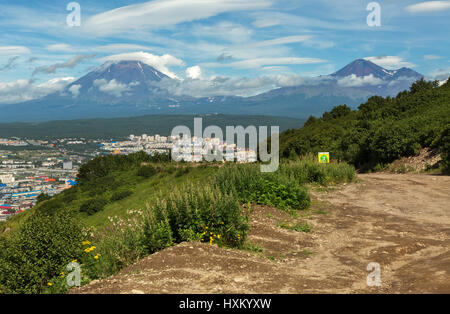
(146,171)
(93,205)
(283,188)
(204,212)
(46,242)
(42,197)
(182,171)
(380,131)
(100,167)
(279,192)
(120,195)
(443,142)
(156,235)
(308,170)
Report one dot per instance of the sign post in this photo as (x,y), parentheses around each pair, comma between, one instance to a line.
(324,158)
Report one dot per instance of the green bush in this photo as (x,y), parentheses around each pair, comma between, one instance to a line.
(156,235)
(443,143)
(251,185)
(280,192)
(93,205)
(205,213)
(119,195)
(46,242)
(182,171)
(146,171)
(42,197)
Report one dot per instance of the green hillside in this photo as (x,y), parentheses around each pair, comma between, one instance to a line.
(126,207)
(148,124)
(380,131)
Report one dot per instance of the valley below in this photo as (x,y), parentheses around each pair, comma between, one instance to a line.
(400,221)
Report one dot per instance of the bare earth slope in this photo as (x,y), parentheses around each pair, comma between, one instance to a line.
(400,221)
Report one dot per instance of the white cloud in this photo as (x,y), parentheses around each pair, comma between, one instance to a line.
(432,57)
(163,13)
(390,62)
(160,63)
(228,31)
(60,48)
(75,90)
(55,84)
(113,87)
(194,72)
(429,6)
(302,22)
(356,81)
(25,89)
(233,86)
(14,50)
(440,74)
(261,62)
(71,63)
(262,23)
(123,47)
(283,40)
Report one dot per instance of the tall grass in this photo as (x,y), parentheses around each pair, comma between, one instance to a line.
(308,170)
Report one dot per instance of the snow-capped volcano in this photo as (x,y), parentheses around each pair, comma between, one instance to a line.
(362,67)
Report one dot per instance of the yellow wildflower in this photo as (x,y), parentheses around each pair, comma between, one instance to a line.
(85,243)
(49,284)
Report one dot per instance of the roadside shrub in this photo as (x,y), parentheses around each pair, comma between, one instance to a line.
(281,193)
(308,170)
(250,185)
(93,205)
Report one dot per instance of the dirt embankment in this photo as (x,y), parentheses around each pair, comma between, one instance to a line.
(401,222)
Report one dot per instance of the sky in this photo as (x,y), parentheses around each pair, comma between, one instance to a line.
(255,45)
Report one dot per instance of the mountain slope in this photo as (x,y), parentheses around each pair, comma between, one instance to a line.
(125,88)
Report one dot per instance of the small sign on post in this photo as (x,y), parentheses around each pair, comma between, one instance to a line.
(324,158)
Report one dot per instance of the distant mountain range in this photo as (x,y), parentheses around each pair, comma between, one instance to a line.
(132,88)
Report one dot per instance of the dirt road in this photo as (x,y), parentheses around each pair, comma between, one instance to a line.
(401,222)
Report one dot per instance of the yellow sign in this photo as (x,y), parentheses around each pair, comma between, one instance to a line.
(324,158)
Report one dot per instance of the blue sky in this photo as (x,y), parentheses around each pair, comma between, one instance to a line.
(251,41)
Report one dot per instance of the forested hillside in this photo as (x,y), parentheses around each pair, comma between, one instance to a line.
(381,130)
